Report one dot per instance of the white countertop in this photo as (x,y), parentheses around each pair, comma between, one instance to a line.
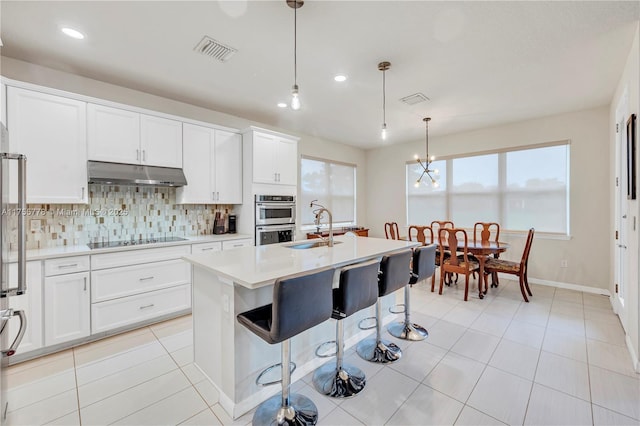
(254,267)
(64,251)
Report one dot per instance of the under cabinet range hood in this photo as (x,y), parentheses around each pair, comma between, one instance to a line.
(134,174)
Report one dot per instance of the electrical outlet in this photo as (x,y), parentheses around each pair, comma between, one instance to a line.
(36,225)
(563,263)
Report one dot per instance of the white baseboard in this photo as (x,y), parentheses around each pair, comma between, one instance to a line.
(632,352)
(569,286)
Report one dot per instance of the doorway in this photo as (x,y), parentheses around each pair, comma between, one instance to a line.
(619,298)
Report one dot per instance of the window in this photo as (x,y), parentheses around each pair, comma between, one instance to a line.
(333,184)
(519,189)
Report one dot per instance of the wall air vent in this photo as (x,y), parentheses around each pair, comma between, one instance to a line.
(416,98)
(215,49)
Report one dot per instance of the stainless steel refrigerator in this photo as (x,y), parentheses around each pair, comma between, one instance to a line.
(8,289)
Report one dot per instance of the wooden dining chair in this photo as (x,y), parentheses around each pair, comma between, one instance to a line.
(436,225)
(424,234)
(456,241)
(514,268)
(391,231)
(485,232)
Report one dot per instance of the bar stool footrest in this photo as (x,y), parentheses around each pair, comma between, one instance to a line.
(400,308)
(369,327)
(319,352)
(268,369)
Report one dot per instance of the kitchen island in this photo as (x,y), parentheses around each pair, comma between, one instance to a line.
(228,283)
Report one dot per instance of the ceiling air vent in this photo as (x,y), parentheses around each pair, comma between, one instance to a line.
(416,98)
(215,49)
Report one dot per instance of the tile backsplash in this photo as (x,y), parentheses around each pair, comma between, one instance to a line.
(114,213)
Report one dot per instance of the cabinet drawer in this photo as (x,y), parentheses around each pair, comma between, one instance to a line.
(66,265)
(133,257)
(206,247)
(129,310)
(228,245)
(118,282)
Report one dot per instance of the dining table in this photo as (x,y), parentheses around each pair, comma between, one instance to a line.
(481,250)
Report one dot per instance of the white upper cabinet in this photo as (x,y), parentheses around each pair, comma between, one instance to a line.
(212,166)
(228,167)
(160,141)
(114,134)
(120,136)
(51,131)
(3,104)
(275,159)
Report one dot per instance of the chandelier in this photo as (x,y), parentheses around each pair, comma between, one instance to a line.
(433,174)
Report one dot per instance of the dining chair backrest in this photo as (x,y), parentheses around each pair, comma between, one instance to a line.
(391,231)
(436,225)
(455,240)
(487,231)
(527,248)
(424,234)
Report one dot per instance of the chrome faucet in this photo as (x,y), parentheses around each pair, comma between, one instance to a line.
(318,212)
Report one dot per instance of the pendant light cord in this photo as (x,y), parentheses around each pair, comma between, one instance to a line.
(427,138)
(384,98)
(295,45)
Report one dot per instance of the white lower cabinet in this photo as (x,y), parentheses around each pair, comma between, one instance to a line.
(229,245)
(129,310)
(31,304)
(206,247)
(127,292)
(66,308)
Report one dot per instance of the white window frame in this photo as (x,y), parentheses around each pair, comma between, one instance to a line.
(502,190)
(355,193)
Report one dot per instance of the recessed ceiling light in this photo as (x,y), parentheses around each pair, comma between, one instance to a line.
(282,105)
(73,33)
(340,78)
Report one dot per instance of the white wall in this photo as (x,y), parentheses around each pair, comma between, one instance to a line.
(586,251)
(629,81)
(309,145)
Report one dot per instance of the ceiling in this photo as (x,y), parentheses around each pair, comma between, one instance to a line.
(480,63)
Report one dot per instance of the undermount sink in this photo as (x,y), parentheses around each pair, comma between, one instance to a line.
(310,244)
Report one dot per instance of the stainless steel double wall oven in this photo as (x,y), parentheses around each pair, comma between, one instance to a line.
(275,219)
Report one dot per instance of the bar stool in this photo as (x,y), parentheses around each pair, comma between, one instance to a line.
(423,266)
(394,274)
(300,302)
(358,290)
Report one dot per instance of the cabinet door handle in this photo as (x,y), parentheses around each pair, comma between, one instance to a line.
(217,196)
(144,155)
(137,155)
(146,278)
(150,305)
(207,249)
(69,265)
(82,196)
(237,245)
(85,283)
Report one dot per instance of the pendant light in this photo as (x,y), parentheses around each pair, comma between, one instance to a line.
(295,99)
(433,174)
(384,66)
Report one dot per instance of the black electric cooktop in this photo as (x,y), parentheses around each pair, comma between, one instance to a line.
(127,243)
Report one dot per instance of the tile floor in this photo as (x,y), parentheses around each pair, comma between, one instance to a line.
(560,359)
